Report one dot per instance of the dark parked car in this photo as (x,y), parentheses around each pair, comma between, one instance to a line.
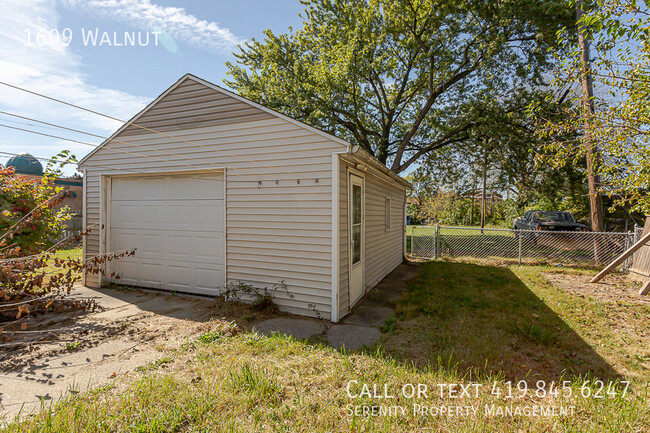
(549,220)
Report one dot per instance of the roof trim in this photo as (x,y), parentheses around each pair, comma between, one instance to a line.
(366,157)
(362,153)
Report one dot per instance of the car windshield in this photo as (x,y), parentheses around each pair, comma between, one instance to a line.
(554,216)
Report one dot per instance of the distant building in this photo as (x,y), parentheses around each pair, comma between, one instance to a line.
(30,167)
(491,197)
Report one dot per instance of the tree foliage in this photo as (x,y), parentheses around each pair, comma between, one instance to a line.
(34,279)
(620,30)
(513,156)
(400,79)
(18,198)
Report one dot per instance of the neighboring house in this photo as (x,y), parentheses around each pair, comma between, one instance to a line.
(30,167)
(213,189)
(491,197)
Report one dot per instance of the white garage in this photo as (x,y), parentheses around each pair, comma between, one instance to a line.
(212,189)
(176,223)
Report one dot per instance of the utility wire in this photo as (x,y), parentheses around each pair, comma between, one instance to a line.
(135,125)
(201,161)
(202,164)
(37,157)
(91,144)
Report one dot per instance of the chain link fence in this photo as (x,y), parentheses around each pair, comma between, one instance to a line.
(522,246)
(638,231)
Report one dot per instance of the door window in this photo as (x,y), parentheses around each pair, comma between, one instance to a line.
(356,223)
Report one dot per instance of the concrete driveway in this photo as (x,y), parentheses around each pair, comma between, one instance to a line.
(136,327)
(131,329)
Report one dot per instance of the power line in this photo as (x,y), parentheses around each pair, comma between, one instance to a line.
(137,126)
(37,157)
(90,134)
(88,144)
(202,161)
(50,124)
(124,171)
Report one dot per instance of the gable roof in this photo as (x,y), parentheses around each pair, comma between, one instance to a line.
(254,111)
(134,122)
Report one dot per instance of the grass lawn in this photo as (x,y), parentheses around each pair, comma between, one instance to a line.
(504,245)
(459,323)
(72,253)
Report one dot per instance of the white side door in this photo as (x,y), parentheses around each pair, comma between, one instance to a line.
(356,223)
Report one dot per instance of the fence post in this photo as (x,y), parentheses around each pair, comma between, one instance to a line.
(629,236)
(519,246)
(437,243)
(412,239)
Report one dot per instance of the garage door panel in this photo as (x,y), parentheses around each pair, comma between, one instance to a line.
(134,214)
(205,278)
(195,249)
(196,187)
(176,223)
(150,246)
(177,187)
(200,215)
(203,215)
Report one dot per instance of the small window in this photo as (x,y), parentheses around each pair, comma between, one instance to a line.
(388,213)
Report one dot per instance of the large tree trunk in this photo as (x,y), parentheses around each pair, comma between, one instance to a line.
(595,200)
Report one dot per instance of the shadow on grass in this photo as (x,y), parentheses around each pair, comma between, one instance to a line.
(484,319)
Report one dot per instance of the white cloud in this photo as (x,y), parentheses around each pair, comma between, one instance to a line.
(54,70)
(175,21)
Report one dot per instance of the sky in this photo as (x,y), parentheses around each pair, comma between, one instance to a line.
(113,57)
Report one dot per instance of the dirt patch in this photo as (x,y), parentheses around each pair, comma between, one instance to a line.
(614,288)
(130,332)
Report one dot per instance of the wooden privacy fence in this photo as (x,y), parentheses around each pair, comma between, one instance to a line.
(73,227)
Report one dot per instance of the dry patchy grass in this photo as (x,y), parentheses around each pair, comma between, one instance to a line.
(459,323)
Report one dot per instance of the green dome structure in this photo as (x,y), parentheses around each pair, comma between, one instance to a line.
(25,163)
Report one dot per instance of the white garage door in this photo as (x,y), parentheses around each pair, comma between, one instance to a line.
(177,225)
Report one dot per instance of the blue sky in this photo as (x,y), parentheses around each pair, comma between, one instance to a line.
(193,36)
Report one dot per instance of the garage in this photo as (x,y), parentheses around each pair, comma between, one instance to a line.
(213,189)
(176,225)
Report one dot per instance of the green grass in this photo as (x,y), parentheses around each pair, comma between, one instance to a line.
(511,321)
(458,323)
(542,247)
(73,253)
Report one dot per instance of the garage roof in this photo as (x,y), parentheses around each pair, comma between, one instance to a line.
(142,116)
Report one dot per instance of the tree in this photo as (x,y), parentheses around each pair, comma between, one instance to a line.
(33,200)
(619,123)
(512,157)
(400,79)
(588,111)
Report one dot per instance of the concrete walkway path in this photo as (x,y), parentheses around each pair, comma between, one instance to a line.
(360,328)
(132,328)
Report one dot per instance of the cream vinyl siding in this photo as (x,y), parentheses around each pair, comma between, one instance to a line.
(383,249)
(274,232)
(91,212)
(344,286)
(193,105)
